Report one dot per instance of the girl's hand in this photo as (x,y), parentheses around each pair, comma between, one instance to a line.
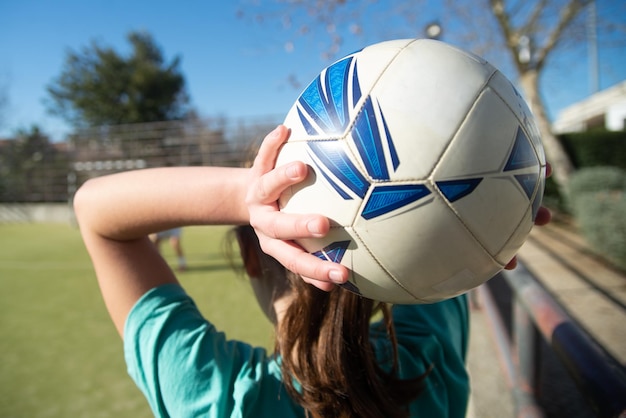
(277,230)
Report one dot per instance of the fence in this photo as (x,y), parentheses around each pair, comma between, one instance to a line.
(52,172)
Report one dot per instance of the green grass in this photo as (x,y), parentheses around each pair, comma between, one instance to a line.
(61,356)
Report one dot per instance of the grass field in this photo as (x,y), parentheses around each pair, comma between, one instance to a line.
(61,356)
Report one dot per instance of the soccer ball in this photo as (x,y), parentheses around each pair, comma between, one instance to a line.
(428,163)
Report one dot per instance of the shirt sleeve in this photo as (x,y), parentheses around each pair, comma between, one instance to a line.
(185,367)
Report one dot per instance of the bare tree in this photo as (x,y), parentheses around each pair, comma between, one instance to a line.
(523,34)
(530,41)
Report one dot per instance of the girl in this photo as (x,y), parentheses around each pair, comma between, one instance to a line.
(330,359)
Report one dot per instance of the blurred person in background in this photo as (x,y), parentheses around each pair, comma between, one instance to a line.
(173,236)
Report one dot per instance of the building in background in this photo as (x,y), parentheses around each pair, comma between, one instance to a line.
(604,109)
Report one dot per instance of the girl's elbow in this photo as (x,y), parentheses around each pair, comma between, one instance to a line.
(84,203)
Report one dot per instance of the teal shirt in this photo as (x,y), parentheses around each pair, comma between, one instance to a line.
(187,368)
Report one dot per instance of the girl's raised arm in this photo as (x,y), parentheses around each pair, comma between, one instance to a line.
(116,214)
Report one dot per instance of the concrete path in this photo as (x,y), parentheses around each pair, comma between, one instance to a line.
(590,289)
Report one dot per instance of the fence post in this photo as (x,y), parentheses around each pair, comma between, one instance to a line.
(525,356)
(523,396)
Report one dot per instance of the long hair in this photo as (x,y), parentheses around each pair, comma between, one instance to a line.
(328,363)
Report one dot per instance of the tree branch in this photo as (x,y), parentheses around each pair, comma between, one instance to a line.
(566,16)
(531,24)
(511,37)
(497,6)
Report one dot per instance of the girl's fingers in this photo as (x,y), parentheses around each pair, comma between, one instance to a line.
(276,229)
(268,151)
(310,267)
(512,264)
(286,226)
(544,216)
(268,187)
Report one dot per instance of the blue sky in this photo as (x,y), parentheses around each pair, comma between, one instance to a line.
(233,66)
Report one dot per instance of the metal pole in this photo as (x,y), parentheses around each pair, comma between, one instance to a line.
(592,40)
(523,395)
(525,356)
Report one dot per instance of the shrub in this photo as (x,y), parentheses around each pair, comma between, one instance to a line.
(587,149)
(602,222)
(597,197)
(592,180)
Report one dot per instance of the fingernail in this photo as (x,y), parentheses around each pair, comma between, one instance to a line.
(314,228)
(293,172)
(275,132)
(335,276)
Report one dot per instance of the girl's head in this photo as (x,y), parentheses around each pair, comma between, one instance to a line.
(323,339)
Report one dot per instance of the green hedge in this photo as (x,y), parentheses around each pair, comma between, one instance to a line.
(596,148)
(587,149)
(597,197)
(600,178)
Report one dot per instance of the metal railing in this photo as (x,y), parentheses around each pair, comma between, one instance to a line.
(535,314)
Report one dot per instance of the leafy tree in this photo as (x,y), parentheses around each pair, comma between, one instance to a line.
(98,86)
(528,32)
(32,169)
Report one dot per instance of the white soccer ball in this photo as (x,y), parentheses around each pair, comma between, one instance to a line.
(428,163)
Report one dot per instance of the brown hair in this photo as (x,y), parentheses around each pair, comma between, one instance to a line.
(328,363)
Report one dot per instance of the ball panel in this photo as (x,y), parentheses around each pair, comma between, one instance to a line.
(390,200)
(493,211)
(419,124)
(424,248)
(537,199)
(374,282)
(483,143)
(370,141)
(516,103)
(517,238)
(373,61)
(327,106)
